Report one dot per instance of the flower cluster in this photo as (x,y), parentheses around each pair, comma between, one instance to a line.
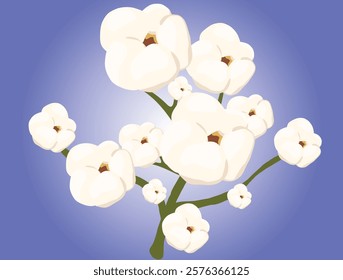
(205,142)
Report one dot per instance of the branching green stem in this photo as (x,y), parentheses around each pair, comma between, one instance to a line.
(175,193)
(223,197)
(166,108)
(163,165)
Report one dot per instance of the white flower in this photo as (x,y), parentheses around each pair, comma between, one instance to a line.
(100,175)
(185,230)
(179,88)
(142,142)
(145,49)
(220,62)
(205,144)
(297,144)
(257,111)
(154,192)
(51,129)
(239,197)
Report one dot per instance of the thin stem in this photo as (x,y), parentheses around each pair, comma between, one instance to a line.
(223,196)
(162,164)
(173,106)
(268,164)
(140,181)
(220,98)
(166,108)
(65,152)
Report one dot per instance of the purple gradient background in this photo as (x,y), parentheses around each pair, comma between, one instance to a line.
(51,53)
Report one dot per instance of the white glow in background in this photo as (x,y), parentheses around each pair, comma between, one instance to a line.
(72,72)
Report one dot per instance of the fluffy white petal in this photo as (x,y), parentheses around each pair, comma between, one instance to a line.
(237,50)
(154,15)
(206,54)
(264,110)
(202,164)
(239,103)
(65,123)
(198,239)
(106,188)
(105,151)
(128,133)
(178,238)
(79,156)
(284,135)
(189,211)
(80,183)
(310,154)
(41,119)
(149,193)
(172,221)
(118,62)
(200,108)
(142,155)
(234,199)
(240,73)
(257,126)
(131,65)
(220,34)
(237,146)
(64,139)
(290,152)
(55,110)
(245,203)
(121,165)
(177,136)
(154,66)
(300,124)
(120,23)
(44,137)
(155,137)
(160,197)
(173,34)
(211,75)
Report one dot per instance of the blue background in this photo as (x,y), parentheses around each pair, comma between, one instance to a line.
(50,52)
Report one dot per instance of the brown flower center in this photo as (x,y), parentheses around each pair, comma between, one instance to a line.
(104,167)
(156,192)
(149,39)
(57,128)
(227,60)
(241,196)
(144,140)
(190,229)
(215,137)
(302,143)
(252,112)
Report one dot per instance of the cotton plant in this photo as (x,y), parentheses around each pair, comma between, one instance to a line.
(205,143)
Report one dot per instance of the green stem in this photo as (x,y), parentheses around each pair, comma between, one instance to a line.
(140,181)
(166,108)
(223,197)
(163,165)
(268,164)
(175,193)
(157,247)
(65,152)
(220,98)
